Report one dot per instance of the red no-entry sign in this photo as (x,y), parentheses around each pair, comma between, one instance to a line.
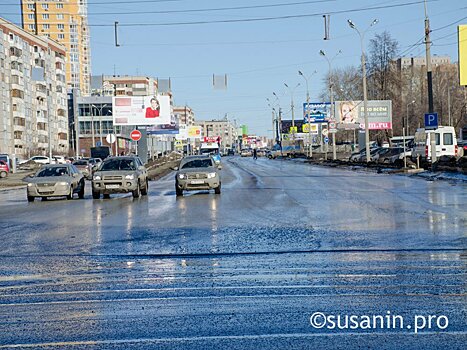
(135,135)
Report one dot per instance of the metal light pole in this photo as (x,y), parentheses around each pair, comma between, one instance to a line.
(322,53)
(310,152)
(291,91)
(273,117)
(407,118)
(403,131)
(100,120)
(365,98)
(279,120)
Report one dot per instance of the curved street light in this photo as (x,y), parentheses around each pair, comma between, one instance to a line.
(365,97)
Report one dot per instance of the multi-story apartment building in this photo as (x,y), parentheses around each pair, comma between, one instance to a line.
(64,21)
(220,128)
(185,115)
(110,85)
(33,99)
(418,62)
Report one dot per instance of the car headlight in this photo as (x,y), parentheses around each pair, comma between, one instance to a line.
(129,177)
(211,175)
(181,176)
(96,177)
(30,184)
(63,183)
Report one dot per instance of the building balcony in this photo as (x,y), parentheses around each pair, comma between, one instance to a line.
(17,72)
(41,94)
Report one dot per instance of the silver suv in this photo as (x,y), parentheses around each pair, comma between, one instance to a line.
(120,175)
(197,173)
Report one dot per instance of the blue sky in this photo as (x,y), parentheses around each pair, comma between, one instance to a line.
(257,56)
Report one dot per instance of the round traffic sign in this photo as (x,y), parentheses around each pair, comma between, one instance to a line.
(135,135)
(110,138)
(324,132)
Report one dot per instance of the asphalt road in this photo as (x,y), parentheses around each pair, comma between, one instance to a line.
(242,270)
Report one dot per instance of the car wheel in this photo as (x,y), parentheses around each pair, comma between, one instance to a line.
(3,174)
(81,191)
(30,198)
(144,191)
(106,196)
(70,196)
(136,193)
(178,191)
(217,190)
(96,195)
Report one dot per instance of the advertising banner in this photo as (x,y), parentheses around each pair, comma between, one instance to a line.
(286,127)
(182,132)
(319,112)
(164,129)
(141,110)
(195,132)
(314,128)
(462,42)
(352,112)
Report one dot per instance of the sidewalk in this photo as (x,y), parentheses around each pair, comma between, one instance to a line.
(14,181)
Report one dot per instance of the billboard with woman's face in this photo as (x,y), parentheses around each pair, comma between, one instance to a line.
(141,110)
(352,112)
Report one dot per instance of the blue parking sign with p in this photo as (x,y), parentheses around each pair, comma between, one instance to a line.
(431,120)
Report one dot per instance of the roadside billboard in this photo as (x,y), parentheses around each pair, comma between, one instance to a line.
(195,132)
(462,42)
(286,127)
(182,132)
(165,129)
(141,110)
(319,112)
(352,112)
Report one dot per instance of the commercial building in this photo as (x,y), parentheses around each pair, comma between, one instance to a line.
(96,122)
(33,99)
(220,128)
(64,21)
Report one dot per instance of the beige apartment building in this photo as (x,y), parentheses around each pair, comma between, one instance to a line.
(64,21)
(33,96)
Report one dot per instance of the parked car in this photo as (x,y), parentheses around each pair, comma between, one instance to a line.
(197,173)
(59,160)
(446,143)
(38,159)
(123,174)
(55,180)
(246,153)
(4,169)
(85,167)
(231,152)
(394,155)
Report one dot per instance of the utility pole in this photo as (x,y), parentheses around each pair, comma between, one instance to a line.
(430,82)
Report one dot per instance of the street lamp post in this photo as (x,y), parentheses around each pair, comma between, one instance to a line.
(365,98)
(404,127)
(310,151)
(322,53)
(291,91)
(279,120)
(100,121)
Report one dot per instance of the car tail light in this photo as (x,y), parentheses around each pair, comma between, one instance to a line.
(456,149)
(426,151)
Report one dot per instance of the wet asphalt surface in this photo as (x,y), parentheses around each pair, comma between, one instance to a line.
(242,270)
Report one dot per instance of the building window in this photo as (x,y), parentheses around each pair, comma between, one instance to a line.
(59,6)
(46,26)
(45,16)
(60,16)
(61,26)
(31,16)
(31,26)
(45,6)
(61,36)
(31,6)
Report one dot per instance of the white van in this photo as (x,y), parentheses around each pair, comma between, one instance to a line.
(446,143)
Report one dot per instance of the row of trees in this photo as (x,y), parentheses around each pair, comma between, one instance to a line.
(389,81)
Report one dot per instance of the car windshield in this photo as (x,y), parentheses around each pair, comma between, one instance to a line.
(55,171)
(118,164)
(81,162)
(197,163)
